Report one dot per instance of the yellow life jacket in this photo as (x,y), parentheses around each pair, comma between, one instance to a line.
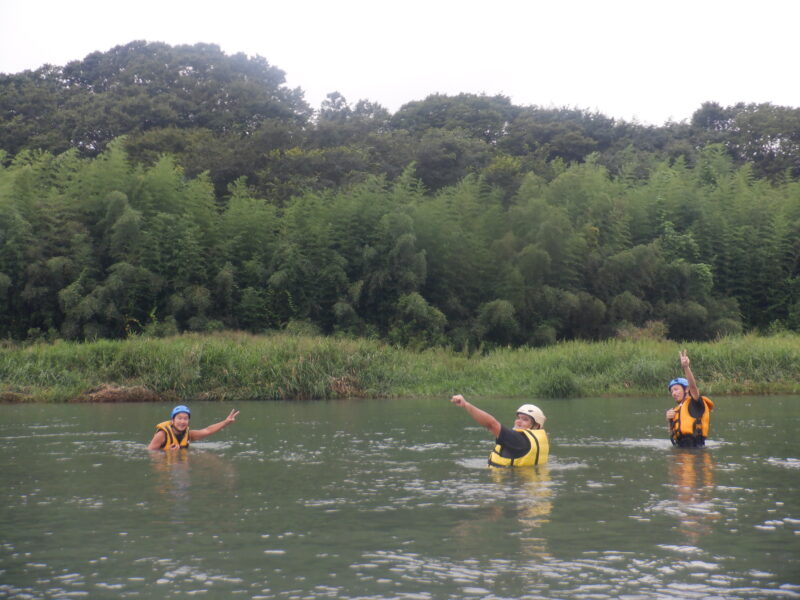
(684,423)
(171,439)
(537,455)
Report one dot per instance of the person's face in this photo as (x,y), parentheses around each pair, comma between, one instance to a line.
(522,421)
(677,392)
(180,421)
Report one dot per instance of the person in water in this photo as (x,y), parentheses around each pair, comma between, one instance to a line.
(175,433)
(688,420)
(524,445)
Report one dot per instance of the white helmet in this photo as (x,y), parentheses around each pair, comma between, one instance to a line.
(534,412)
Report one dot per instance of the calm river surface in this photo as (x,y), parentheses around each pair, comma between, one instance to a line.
(376,499)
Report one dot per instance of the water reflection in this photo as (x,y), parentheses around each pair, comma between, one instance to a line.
(517,503)
(535,502)
(178,472)
(691,473)
(534,505)
(172,475)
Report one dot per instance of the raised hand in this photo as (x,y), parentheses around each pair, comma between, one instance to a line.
(458,400)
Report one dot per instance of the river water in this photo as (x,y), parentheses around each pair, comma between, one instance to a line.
(379,499)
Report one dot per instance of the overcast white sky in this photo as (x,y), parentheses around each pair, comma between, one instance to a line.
(649,60)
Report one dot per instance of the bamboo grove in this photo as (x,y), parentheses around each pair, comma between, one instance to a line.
(449,223)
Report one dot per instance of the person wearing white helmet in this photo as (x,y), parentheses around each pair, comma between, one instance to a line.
(689,419)
(175,433)
(525,444)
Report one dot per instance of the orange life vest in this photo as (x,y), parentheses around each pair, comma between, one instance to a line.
(684,424)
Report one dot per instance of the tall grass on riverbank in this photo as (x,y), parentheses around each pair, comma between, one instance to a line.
(237,366)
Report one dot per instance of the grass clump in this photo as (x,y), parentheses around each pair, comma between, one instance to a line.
(240,366)
(558,383)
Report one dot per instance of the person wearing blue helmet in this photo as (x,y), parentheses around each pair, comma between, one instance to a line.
(689,419)
(175,433)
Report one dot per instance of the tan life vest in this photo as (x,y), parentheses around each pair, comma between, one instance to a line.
(171,439)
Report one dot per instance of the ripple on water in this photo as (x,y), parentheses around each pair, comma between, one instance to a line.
(431,447)
(398,489)
(681,549)
(592,442)
(472,463)
(602,575)
(789,463)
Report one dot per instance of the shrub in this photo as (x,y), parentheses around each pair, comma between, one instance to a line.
(544,335)
(652,330)
(558,383)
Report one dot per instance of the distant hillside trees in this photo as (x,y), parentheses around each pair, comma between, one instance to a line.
(156,189)
(233,116)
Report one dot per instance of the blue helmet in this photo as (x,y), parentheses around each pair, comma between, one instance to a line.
(179,409)
(680,381)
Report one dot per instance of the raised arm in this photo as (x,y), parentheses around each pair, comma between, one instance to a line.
(694,392)
(481,417)
(199,434)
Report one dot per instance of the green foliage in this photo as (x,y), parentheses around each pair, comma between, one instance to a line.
(651,330)
(416,323)
(557,383)
(157,189)
(140,86)
(443,157)
(496,322)
(295,365)
(646,370)
(544,335)
(92,256)
(482,117)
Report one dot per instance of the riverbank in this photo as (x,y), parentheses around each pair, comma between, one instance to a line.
(239,366)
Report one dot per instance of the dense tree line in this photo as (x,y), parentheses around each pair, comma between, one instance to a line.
(159,189)
(97,247)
